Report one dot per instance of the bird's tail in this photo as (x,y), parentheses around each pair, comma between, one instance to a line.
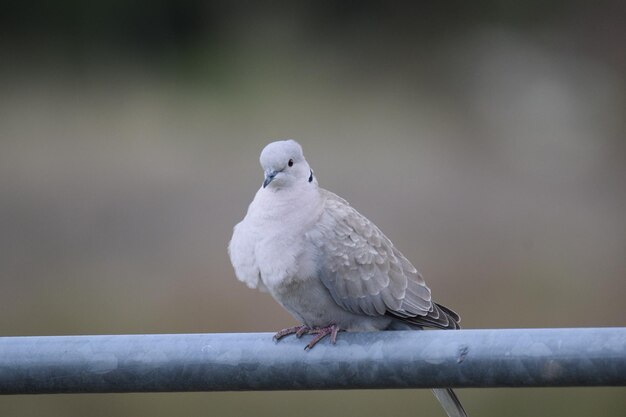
(450,402)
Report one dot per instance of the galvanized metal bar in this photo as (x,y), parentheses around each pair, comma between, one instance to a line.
(253,361)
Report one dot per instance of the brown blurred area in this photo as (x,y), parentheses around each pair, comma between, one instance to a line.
(486,139)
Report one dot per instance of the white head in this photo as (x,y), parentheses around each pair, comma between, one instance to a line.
(284,165)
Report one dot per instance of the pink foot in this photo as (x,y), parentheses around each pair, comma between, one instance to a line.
(322,332)
(298,330)
(303,329)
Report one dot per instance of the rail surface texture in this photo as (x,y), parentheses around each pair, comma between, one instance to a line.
(255,362)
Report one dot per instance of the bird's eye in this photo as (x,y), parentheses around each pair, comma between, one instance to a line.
(290,163)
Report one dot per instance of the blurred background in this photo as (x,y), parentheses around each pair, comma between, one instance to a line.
(486,139)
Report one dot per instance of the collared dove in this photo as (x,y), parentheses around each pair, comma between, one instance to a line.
(327,264)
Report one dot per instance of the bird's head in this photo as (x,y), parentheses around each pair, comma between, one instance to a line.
(284,165)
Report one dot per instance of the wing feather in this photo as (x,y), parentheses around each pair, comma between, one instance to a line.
(365,273)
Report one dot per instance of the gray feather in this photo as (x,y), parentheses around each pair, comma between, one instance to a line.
(450,402)
(366,274)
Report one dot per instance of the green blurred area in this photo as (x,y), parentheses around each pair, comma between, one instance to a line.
(486,139)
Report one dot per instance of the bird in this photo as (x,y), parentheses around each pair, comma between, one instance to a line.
(327,264)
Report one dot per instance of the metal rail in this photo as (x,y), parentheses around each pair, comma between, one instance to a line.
(253,361)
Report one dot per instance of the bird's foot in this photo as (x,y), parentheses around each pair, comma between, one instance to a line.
(297,330)
(322,332)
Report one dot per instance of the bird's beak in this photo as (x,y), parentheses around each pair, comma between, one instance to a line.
(269,176)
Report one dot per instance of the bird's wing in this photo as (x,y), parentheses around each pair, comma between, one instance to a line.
(365,273)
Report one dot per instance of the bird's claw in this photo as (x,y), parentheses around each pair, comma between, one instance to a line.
(302,331)
(298,330)
(320,332)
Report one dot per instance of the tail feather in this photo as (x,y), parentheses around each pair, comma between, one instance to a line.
(439,317)
(450,402)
